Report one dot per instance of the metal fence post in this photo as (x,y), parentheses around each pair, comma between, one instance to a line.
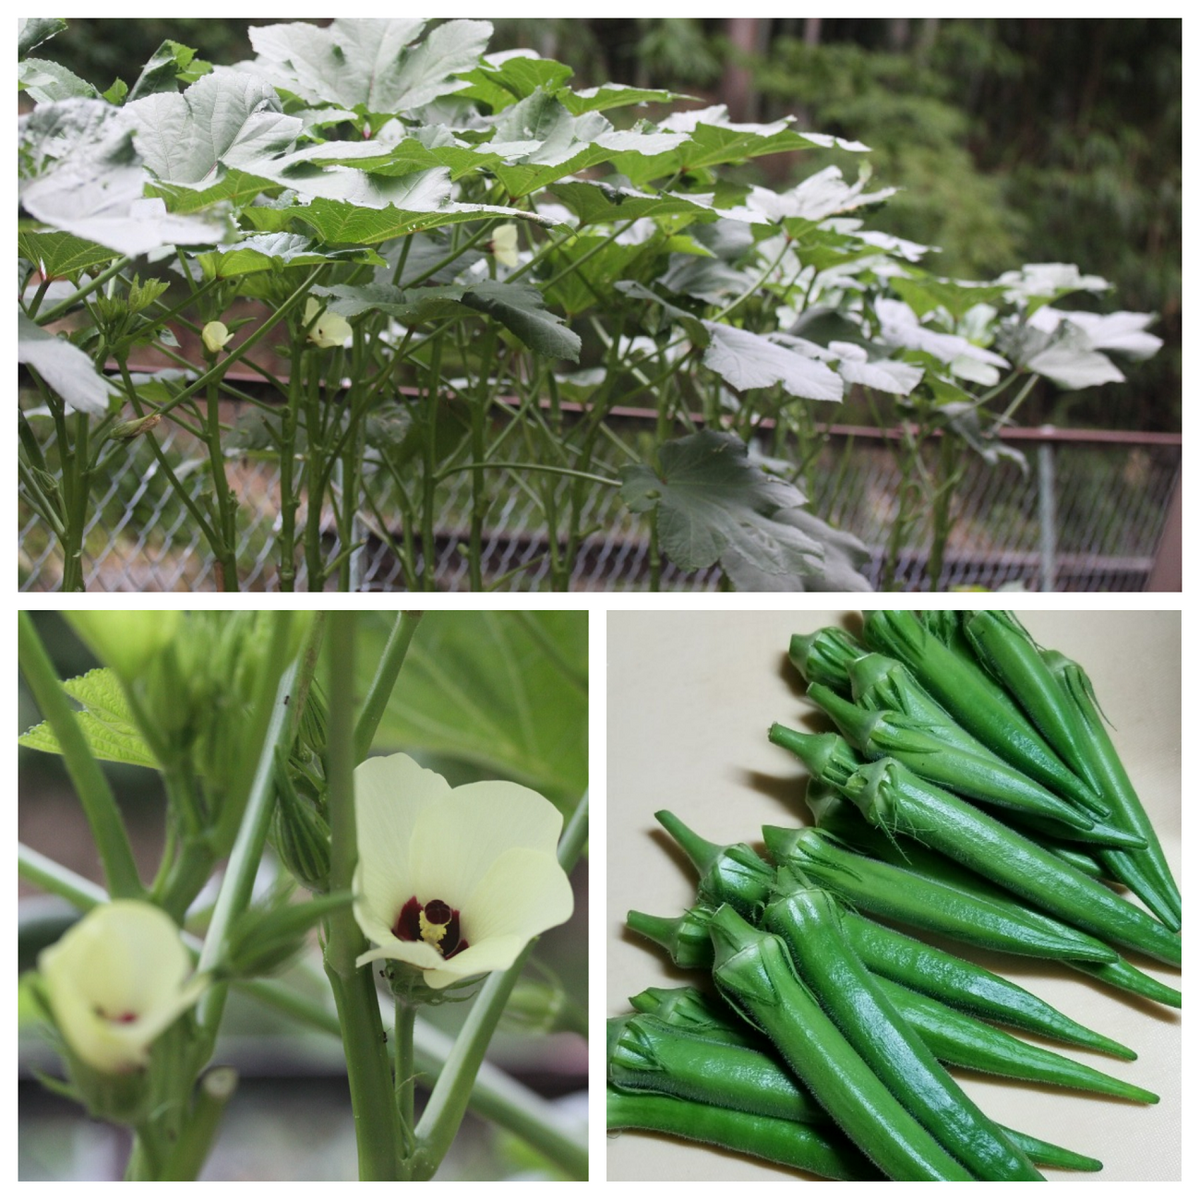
(1047,517)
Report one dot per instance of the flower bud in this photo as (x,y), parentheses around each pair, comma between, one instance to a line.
(123,640)
(264,942)
(214,336)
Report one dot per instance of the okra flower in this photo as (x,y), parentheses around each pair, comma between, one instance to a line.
(504,244)
(330,331)
(453,881)
(115,981)
(214,336)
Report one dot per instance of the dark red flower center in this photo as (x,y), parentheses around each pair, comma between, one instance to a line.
(436,923)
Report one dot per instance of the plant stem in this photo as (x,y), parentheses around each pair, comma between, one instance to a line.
(386,674)
(238,884)
(212,1094)
(405,1070)
(367,1066)
(99,804)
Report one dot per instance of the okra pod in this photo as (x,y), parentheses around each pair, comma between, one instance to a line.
(809,922)
(646,1054)
(894,799)
(962,1041)
(753,972)
(825,656)
(977,702)
(924,903)
(1163,897)
(972,771)
(819,1151)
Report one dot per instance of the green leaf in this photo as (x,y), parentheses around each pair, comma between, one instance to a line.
(66,368)
(229,119)
(615,95)
(33,31)
(713,504)
(521,308)
(167,65)
(924,293)
(750,360)
(83,176)
(271,251)
(506,691)
(46,81)
(503,84)
(593,202)
(337,222)
(105,721)
(370,65)
(61,255)
(714,141)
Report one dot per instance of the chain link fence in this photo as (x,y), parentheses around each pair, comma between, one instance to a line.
(1086,515)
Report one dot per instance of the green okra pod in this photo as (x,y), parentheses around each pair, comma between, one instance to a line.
(693,1011)
(732,874)
(684,938)
(836,816)
(753,972)
(894,799)
(953,762)
(646,1054)
(926,903)
(961,1041)
(966,986)
(707,1020)
(820,1151)
(809,921)
(1161,890)
(979,705)
(1008,652)
(825,656)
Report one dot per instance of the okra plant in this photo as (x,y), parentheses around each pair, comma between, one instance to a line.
(415,892)
(436,261)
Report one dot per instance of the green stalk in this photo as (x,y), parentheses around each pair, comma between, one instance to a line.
(213,1093)
(226,542)
(369,1072)
(238,883)
(384,682)
(99,804)
(404,1073)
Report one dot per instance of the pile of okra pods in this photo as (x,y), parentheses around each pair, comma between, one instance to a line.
(972,795)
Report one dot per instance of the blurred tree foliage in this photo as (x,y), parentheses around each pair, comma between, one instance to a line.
(1015,140)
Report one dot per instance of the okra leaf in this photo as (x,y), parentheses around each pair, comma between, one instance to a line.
(47,81)
(501,84)
(268,251)
(105,720)
(750,360)
(592,202)
(33,31)
(224,120)
(66,368)
(373,66)
(505,692)
(61,255)
(521,309)
(711,503)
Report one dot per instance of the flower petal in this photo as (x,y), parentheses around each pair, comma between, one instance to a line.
(524,893)
(454,847)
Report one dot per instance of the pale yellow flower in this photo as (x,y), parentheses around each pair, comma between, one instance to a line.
(115,981)
(504,244)
(214,336)
(453,881)
(330,330)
